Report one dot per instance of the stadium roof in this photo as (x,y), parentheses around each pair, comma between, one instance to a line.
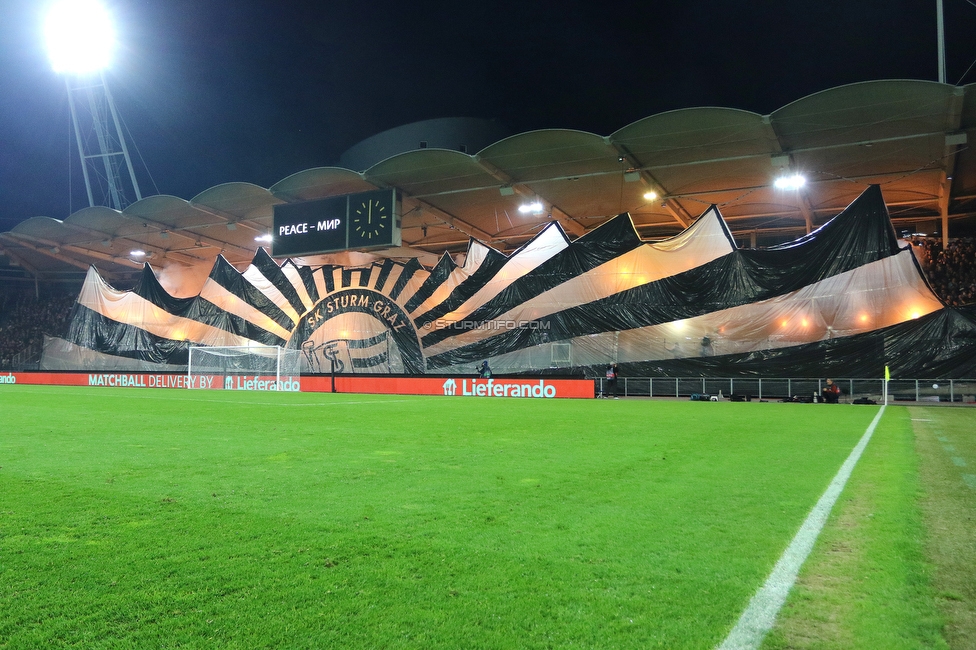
(910,137)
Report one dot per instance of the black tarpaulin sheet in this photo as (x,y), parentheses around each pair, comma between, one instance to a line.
(127,324)
(92,330)
(941,345)
(842,300)
(225,275)
(270,270)
(858,236)
(493,262)
(201,310)
(437,276)
(610,240)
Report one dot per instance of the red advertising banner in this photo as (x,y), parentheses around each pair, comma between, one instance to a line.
(446,386)
(454,386)
(56,378)
(152,380)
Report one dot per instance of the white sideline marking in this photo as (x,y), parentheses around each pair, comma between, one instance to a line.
(759,616)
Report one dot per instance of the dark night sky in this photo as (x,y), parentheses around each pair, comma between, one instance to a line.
(218,90)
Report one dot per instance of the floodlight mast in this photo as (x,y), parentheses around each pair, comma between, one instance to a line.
(80,39)
(940,35)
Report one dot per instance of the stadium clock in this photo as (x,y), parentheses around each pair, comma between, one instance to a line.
(370,223)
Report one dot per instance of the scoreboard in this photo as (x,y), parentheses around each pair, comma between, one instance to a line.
(361,221)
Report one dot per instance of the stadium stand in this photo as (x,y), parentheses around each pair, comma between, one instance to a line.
(951,271)
(24,320)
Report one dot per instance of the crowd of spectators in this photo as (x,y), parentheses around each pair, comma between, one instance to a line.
(24,320)
(950,271)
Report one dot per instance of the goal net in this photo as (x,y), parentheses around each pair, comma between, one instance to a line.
(262,367)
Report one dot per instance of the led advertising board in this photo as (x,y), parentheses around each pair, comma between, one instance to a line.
(352,222)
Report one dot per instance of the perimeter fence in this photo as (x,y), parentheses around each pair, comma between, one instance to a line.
(801,389)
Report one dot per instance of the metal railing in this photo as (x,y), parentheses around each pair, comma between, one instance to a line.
(775,388)
(27,359)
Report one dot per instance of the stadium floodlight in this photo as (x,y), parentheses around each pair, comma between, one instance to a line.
(80,37)
(80,41)
(137,253)
(790,182)
(263,238)
(531,208)
(650,195)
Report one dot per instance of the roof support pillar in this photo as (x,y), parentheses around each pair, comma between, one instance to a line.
(955,140)
(944,210)
(679,214)
(807,212)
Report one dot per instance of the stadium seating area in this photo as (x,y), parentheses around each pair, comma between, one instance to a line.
(952,271)
(24,320)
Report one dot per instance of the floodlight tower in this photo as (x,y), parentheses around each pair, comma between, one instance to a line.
(80,40)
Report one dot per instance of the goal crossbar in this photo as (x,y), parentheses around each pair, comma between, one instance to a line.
(234,360)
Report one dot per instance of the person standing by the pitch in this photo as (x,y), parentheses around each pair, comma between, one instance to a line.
(612,380)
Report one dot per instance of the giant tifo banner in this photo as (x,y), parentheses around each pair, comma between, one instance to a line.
(447,386)
(846,299)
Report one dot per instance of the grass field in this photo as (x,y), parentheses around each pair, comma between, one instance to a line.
(182,519)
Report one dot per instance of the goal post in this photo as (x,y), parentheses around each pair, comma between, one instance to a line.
(251,367)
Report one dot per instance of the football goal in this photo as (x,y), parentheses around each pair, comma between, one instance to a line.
(254,367)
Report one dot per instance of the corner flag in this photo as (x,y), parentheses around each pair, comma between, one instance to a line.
(887,374)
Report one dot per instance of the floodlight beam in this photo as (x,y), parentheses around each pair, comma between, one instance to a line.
(790,182)
(79,36)
(535,207)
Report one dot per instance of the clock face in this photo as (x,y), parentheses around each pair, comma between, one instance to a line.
(371,221)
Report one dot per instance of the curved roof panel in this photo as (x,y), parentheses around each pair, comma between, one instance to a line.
(551,153)
(691,135)
(45,227)
(167,212)
(320,183)
(100,221)
(431,171)
(237,200)
(864,112)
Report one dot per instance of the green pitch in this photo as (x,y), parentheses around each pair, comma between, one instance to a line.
(170,519)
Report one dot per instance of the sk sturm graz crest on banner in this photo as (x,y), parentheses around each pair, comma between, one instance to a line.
(359,330)
(843,300)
